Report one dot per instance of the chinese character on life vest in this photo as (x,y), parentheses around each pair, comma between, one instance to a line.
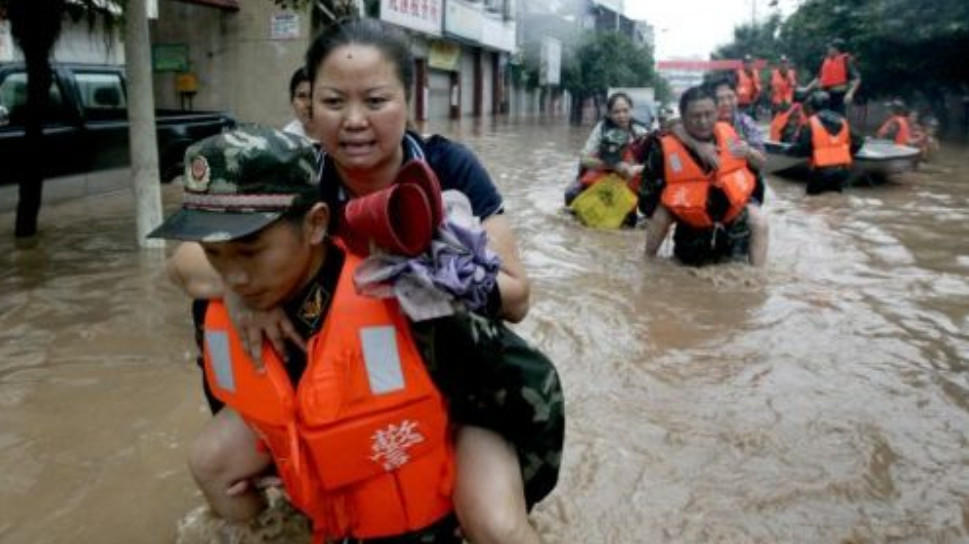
(390,445)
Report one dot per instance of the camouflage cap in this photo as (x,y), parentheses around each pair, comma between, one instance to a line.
(240,181)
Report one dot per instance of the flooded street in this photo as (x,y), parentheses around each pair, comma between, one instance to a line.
(824,399)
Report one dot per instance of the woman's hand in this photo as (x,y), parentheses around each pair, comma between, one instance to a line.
(254,325)
(513,284)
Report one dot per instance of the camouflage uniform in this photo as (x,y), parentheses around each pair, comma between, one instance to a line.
(494,379)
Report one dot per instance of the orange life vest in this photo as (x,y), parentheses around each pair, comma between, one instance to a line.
(748,86)
(903,134)
(782,87)
(834,71)
(688,186)
(828,149)
(780,120)
(363,442)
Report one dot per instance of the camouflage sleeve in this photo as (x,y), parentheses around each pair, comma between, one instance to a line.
(494,379)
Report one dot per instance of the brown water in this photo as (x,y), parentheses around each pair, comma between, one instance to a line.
(823,399)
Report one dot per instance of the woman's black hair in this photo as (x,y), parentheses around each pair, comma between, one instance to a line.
(694,94)
(388,40)
(298,77)
(611,101)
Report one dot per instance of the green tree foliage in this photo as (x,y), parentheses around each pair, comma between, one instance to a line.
(607,59)
(902,48)
(760,40)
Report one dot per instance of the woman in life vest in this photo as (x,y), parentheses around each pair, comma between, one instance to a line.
(610,148)
(362,76)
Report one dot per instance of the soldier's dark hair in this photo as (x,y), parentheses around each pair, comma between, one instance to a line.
(694,94)
(298,77)
(385,38)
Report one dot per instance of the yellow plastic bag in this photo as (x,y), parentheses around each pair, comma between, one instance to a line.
(605,204)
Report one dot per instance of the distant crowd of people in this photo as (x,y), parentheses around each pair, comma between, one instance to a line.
(703,171)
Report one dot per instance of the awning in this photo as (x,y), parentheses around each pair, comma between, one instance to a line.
(231,5)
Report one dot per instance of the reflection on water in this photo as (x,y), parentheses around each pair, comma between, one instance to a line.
(823,399)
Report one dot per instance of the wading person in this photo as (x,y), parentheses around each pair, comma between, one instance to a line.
(710,206)
(355,428)
(361,74)
(827,139)
(609,148)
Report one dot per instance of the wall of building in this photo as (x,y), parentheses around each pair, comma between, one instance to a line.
(240,67)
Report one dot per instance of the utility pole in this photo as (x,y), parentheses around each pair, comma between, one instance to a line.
(141,123)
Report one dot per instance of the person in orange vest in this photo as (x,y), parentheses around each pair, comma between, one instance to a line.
(361,74)
(748,86)
(838,77)
(828,141)
(359,427)
(786,126)
(783,82)
(710,206)
(897,127)
(609,147)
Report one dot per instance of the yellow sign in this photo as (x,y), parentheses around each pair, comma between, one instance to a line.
(444,56)
(186,82)
(605,204)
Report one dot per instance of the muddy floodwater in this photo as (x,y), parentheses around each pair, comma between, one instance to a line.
(824,399)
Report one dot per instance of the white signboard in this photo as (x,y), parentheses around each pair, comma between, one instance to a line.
(550,66)
(6,42)
(498,34)
(463,20)
(425,16)
(284,26)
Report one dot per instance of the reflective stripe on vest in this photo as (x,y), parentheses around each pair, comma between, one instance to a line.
(362,444)
(828,149)
(834,71)
(687,185)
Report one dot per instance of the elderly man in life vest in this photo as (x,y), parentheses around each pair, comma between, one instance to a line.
(838,77)
(710,205)
(828,140)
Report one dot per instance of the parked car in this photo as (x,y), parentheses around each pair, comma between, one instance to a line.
(86,123)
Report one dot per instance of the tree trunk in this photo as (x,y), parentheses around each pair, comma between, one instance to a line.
(141,118)
(575,111)
(32,178)
(35,27)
